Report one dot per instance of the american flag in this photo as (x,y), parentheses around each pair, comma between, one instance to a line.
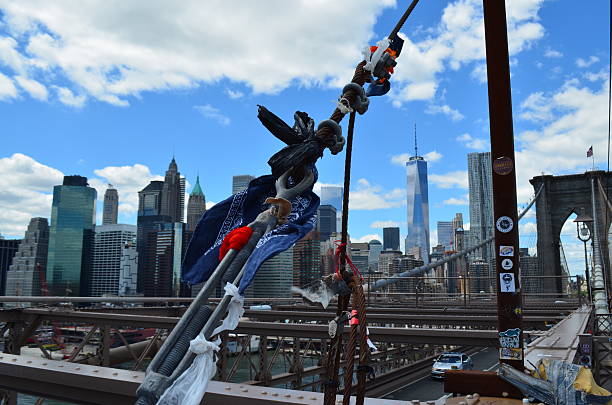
(590,151)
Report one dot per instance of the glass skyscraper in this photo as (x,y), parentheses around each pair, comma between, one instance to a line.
(480,179)
(417,238)
(446,234)
(73,216)
(333,195)
(326,224)
(391,238)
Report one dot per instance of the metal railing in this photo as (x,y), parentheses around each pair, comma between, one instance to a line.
(424,291)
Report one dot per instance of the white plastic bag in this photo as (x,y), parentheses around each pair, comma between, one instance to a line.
(190,387)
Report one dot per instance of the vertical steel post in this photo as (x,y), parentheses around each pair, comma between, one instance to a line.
(509,308)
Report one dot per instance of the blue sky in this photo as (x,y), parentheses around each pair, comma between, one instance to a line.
(111,90)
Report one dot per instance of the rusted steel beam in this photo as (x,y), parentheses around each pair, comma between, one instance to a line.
(93,385)
(446,319)
(378,334)
(505,216)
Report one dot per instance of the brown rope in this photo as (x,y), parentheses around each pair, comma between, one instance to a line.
(364,350)
(350,353)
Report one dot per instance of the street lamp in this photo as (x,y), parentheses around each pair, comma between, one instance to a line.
(584,234)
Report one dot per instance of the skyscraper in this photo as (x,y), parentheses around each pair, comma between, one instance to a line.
(8,248)
(149,220)
(391,238)
(164,252)
(445,233)
(128,273)
(374,253)
(173,194)
(241,182)
(417,238)
(480,180)
(327,221)
(23,277)
(332,195)
(275,277)
(196,205)
(109,243)
(71,237)
(111,206)
(307,260)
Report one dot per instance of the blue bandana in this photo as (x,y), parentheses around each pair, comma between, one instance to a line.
(202,256)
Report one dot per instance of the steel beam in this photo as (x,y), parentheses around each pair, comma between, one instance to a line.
(537,322)
(92,385)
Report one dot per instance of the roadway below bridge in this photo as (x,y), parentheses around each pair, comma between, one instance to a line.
(427,389)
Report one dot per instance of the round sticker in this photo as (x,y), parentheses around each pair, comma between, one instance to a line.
(503,165)
(507,264)
(504,224)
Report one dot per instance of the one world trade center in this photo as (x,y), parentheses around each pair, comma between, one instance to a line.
(417,239)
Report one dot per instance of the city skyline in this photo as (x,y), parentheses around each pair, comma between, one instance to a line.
(555,80)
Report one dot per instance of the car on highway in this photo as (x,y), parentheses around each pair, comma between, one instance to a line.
(450,361)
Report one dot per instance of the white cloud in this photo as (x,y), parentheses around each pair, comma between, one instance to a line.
(473,143)
(372,197)
(213,113)
(536,108)
(432,156)
(463,200)
(577,120)
(552,53)
(459,40)
(527,228)
(384,224)
(453,114)
(109,51)
(367,238)
(34,88)
(128,180)
(582,63)
(67,97)
(456,179)
(210,204)
(7,88)
(234,94)
(401,159)
(26,191)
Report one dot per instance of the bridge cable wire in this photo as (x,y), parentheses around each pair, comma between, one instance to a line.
(609,112)
(600,299)
(420,270)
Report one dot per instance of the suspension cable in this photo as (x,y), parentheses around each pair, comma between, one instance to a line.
(420,270)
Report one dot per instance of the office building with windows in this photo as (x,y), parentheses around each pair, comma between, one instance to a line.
(480,180)
(241,182)
(111,206)
(71,237)
(274,277)
(445,234)
(326,224)
(391,238)
(30,261)
(108,248)
(196,206)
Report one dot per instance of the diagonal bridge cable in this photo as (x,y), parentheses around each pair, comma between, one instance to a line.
(420,270)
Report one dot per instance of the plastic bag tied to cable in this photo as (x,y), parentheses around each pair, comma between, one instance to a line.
(190,387)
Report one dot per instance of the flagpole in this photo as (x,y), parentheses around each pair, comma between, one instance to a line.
(593,157)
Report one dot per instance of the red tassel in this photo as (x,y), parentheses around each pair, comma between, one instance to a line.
(236,239)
